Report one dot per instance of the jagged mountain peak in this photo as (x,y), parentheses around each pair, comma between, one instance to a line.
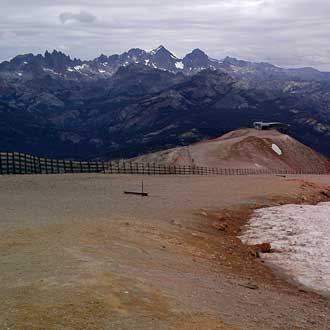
(22,59)
(230,60)
(56,53)
(196,55)
(197,60)
(136,51)
(162,51)
(101,59)
(160,48)
(198,52)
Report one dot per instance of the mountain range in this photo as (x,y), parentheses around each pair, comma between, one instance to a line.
(137,102)
(59,64)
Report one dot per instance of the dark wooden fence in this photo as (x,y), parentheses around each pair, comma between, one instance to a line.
(19,163)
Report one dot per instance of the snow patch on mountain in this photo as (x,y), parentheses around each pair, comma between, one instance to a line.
(81,67)
(50,71)
(179,65)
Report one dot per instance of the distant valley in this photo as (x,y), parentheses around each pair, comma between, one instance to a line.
(125,105)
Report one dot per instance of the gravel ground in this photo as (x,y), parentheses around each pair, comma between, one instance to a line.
(77,253)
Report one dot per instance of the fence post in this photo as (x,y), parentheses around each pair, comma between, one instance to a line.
(20,165)
(25,164)
(13,162)
(52,166)
(34,168)
(46,165)
(57,166)
(39,166)
(7,161)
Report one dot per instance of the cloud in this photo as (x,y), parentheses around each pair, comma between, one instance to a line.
(81,17)
(287,33)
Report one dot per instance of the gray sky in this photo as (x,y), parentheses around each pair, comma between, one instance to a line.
(289,33)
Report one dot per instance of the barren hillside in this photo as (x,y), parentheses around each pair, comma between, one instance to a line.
(245,148)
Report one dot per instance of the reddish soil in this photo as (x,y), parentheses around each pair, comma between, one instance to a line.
(246,148)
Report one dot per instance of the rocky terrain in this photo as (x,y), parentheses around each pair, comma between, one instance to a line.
(245,148)
(137,102)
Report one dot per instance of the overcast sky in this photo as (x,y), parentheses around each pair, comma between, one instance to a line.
(288,33)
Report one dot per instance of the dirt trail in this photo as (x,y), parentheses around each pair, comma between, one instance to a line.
(76,253)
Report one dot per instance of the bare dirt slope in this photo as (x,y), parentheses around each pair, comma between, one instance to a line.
(78,254)
(245,148)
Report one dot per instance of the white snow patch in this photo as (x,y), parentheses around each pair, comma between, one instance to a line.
(80,67)
(300,235)
(20,74)
(146,62)
(25,62)
(102,71)
(277,149)
(179,65)
(70,69)
(50,70)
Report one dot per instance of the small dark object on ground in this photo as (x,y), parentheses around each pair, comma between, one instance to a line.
(142,193)
(136,193)
(220,226)
(249,286)
(263,248)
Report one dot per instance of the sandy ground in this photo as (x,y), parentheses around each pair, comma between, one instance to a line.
(76,253)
